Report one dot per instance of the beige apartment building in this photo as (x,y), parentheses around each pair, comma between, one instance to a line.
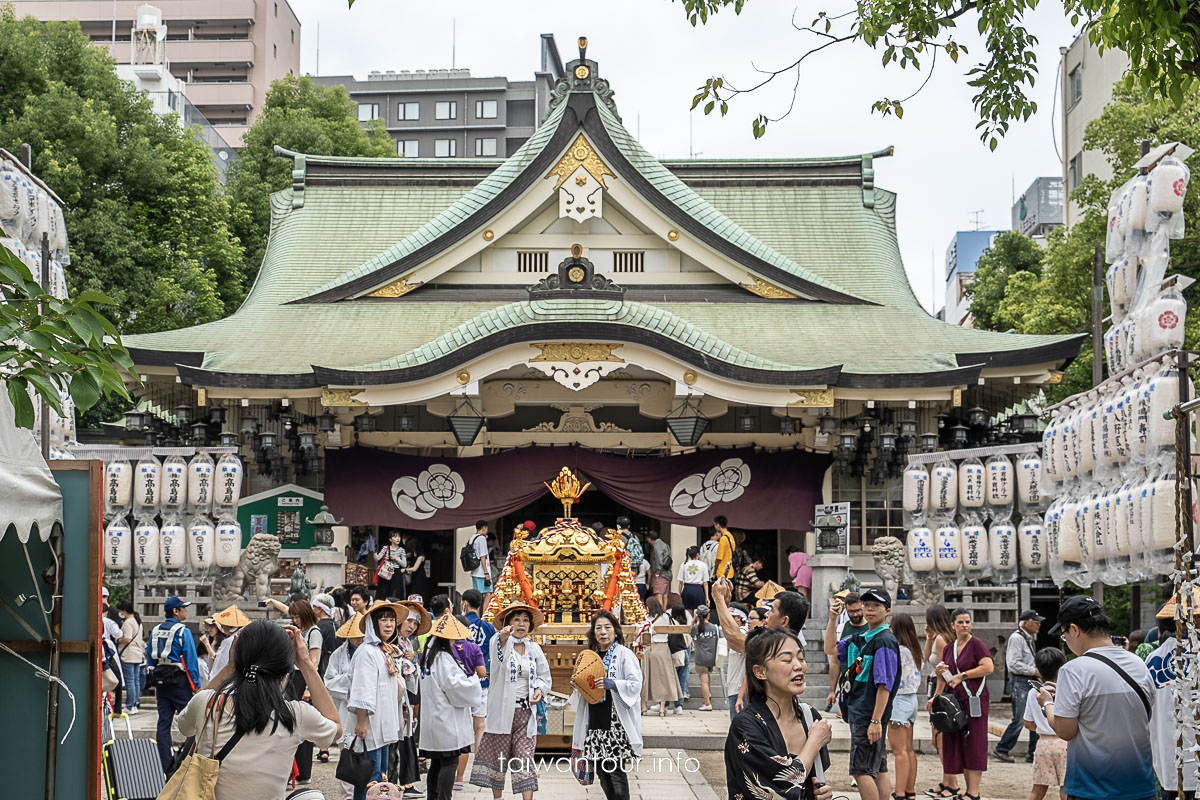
(227,51)
(1087,80)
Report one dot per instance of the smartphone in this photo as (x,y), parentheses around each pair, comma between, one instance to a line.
(975,706)
(1036,685)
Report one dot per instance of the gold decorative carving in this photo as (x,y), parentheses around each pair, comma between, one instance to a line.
(576,352)
(812,398)
(334,398)
(577,250)
(582,72)
(956,398)
(673,235)
(463,377)
(580,154)
(396,289)
(576,274)
(1056,377)
(201,397)
(767,290)
(581,180)
(690,376)
(488,235)
(576,419)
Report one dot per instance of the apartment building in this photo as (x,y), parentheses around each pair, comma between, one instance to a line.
(1087,80)
(449,113)
(1039,209)
(226,51)
(962,262)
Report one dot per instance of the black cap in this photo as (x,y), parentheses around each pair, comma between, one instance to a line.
(1030,614)
(1076,609)
(876,596)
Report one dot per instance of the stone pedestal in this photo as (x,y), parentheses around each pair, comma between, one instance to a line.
(826,569)
(324,568)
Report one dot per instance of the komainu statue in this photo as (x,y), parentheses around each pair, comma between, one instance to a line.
(888,552)
(251,578)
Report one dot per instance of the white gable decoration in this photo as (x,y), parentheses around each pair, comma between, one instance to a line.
(581,197)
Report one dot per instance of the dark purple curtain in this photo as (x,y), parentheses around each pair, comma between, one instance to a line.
(755,490)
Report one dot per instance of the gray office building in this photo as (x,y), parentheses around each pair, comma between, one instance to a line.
(448,113)
(1039,209)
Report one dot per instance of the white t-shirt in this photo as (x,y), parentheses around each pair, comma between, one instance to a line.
(643,572)
(479,542)
(735,670)
(259,765)
(1034,714)
(112,631)
(693,571)
(661,619)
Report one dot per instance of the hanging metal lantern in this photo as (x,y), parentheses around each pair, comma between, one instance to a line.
(200,432)
(747,423)
(887,443)
(270,442)
(308,441)
(908,429)
(829,425)
(959,435)
(134,420)
(977,417)
(217,415)
(866,422)
(787,427)
(942,420)
(364,423)
(249,426)
(183,415)
(848,442)
(405,422)
(229,439)
(929,442)
(151,439)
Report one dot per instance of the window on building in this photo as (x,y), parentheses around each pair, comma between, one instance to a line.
(275,51)
(293,35)
(447,109)
(277,9)
(533,260)
(445,148)
(485,147)
(407,148)
(408,111)
(368,111)
(629,261)
(485,109)
(1075,170)
(1075,85)
(875,509)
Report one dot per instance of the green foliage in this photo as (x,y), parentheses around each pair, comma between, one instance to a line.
(65,345)
(303,117)
(146,214)
(1011,256)
(1161,37)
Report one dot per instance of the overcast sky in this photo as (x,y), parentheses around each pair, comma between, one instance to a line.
(655,61)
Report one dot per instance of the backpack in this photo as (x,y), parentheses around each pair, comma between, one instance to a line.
(468,557)
(636,554)
(947,715)
(708,555)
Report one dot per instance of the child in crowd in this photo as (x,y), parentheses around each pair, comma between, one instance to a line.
(1050,757)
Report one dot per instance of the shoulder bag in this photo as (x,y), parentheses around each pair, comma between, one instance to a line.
(196,778)
(355,768)
(386,568)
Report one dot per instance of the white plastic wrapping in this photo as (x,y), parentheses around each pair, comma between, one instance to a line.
(228,488)
(1002,552)
(1000,482)
(1168,187)
(970,484)
(1163,388)
(200,544)
(1052,466)
(949,548)
(1162,323)
(1121,278)
(173,496)
(228,546)
(943,497)
(146,485)
(117,540)
(172,549)
(975,550)
(1029,480)
(118,488)
(145,547)
(1114,245)
(920,550)
(200,472)
(1052,527)
(1032,537)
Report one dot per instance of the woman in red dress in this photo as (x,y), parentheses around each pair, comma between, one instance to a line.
(966,663)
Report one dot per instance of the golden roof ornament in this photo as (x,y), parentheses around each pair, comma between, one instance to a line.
(567,489)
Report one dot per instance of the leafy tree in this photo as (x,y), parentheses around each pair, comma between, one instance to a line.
(50,345)
(1161,38)
(298,115)
(1011,256)
(144,207)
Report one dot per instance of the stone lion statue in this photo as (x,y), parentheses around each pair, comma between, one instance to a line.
(888,553)
(251,578)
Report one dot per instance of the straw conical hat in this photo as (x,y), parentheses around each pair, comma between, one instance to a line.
(769,591)
(350,629)
(400,611)
(231,617)
(426,621)
(538,617)
(588,665)
(447,627)
(1168,611)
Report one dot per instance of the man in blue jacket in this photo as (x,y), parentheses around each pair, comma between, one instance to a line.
(175,671)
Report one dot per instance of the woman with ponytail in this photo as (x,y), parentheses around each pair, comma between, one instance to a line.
(252,728)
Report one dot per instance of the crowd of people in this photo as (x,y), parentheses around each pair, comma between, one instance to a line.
(359,669)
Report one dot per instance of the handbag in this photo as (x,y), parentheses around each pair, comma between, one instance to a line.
(947,715)
(583,769)
(196,778)
(356,769)
(386,568)
(109,680)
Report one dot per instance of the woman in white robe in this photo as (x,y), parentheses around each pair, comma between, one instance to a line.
(404,763)
(609,733)
(376,679)
(520,677)
(447,694)
(337,682)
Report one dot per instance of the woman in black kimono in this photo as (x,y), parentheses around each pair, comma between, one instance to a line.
(777,745)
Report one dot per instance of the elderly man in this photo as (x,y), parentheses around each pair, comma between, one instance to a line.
(1018,657)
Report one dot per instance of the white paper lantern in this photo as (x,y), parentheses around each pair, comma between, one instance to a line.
(970,483)
(1118,524)
(117,545)
(228,543)
(1162,323)
(228,483)
(10,183)
(1139,200)
(173,545)
(999,481)
(1091,440)
(974,548)
(1168,185)
(1140,433)
(1164,395)
(920,550)
(146,538)
(1108,432)
(147,483)
(1068,533)
(1052,528)
(944,487)
(118,487)
(1032,539)
(200,471)
(1052,450)
(1029,479)
(1121,278)
(949,548)
(1131,511)
(200,543)
(1002,547)
(1161,520)
(916,489)
(1097,527)
(173,496)
(1071,425)
(1115,240)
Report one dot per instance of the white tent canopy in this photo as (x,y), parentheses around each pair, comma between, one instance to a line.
(29,495)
